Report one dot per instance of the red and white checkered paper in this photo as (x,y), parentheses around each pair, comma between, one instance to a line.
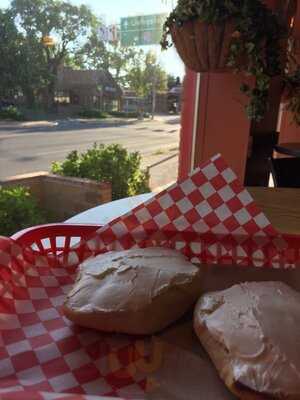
(209,216)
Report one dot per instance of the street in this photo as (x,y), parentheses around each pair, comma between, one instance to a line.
(30,147)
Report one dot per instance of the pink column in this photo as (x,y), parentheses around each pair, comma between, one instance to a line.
(187,123)
(221,124)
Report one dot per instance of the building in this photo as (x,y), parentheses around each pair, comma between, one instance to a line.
(88,88)
(165,102)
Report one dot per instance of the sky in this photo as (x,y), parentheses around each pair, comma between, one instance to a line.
(113,10)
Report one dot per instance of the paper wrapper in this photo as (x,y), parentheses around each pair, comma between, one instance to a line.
(210,217)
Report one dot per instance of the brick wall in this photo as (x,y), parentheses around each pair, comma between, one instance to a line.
(70,196)
(33,181)
(62,197)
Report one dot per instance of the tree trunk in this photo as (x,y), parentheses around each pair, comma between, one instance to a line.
(29,97)
(50,93)
(153,101)
(53,66)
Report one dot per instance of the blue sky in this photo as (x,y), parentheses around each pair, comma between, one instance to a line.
(113,10)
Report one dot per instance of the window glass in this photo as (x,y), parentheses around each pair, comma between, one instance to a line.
(93,73)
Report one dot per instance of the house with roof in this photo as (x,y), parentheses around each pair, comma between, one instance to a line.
(88,88)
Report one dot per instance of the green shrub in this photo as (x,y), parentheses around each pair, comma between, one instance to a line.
(18,210)
(123,114)
(92,113)
(110,163)
(12,113)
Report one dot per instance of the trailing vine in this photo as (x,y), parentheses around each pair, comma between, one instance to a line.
(292,94)
(255,47)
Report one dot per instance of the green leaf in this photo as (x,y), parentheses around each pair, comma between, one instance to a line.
(112,163)
(18,210)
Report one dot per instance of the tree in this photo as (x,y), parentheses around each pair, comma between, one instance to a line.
(92,54)
(146,77)
(67,24)
(20,61)
(120,61)
(33,75)
(95,54)
(9,55)
(129,66)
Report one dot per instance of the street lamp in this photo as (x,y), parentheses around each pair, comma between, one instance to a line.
(48,42)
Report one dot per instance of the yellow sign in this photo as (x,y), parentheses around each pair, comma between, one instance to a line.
(48,41)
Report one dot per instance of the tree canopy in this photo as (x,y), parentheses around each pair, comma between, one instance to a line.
(65,23)
(9,54)
(42,35)
(147,75)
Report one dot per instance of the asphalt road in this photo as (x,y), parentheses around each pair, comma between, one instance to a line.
(31,147)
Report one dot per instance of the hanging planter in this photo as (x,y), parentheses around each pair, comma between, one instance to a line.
(204,47)
(230,36)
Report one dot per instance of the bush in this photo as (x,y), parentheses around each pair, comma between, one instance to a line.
(111,164)
(11,112)
(18,210)
(92,113)
(123,114)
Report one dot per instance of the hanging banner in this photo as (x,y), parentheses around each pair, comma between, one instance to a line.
(109,34)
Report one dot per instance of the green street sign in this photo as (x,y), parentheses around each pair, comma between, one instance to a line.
(142,30)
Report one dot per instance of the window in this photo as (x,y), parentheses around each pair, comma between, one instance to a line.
(104,88)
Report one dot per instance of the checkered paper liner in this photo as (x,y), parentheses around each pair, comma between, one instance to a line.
(45,356)
(209,216)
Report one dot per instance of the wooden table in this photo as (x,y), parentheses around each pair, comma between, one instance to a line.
(281,206)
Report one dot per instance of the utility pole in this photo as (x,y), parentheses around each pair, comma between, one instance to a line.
(154,81)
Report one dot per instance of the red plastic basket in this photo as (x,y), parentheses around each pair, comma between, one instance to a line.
(54,239)
(58,239)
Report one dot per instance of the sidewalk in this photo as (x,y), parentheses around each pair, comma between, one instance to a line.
(16,125)
(164,175)
(26,124)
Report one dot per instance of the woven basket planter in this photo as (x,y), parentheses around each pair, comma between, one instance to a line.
(203,47)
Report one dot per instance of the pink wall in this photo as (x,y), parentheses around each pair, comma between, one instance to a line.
(223,126)
(289,131)
(187,123)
